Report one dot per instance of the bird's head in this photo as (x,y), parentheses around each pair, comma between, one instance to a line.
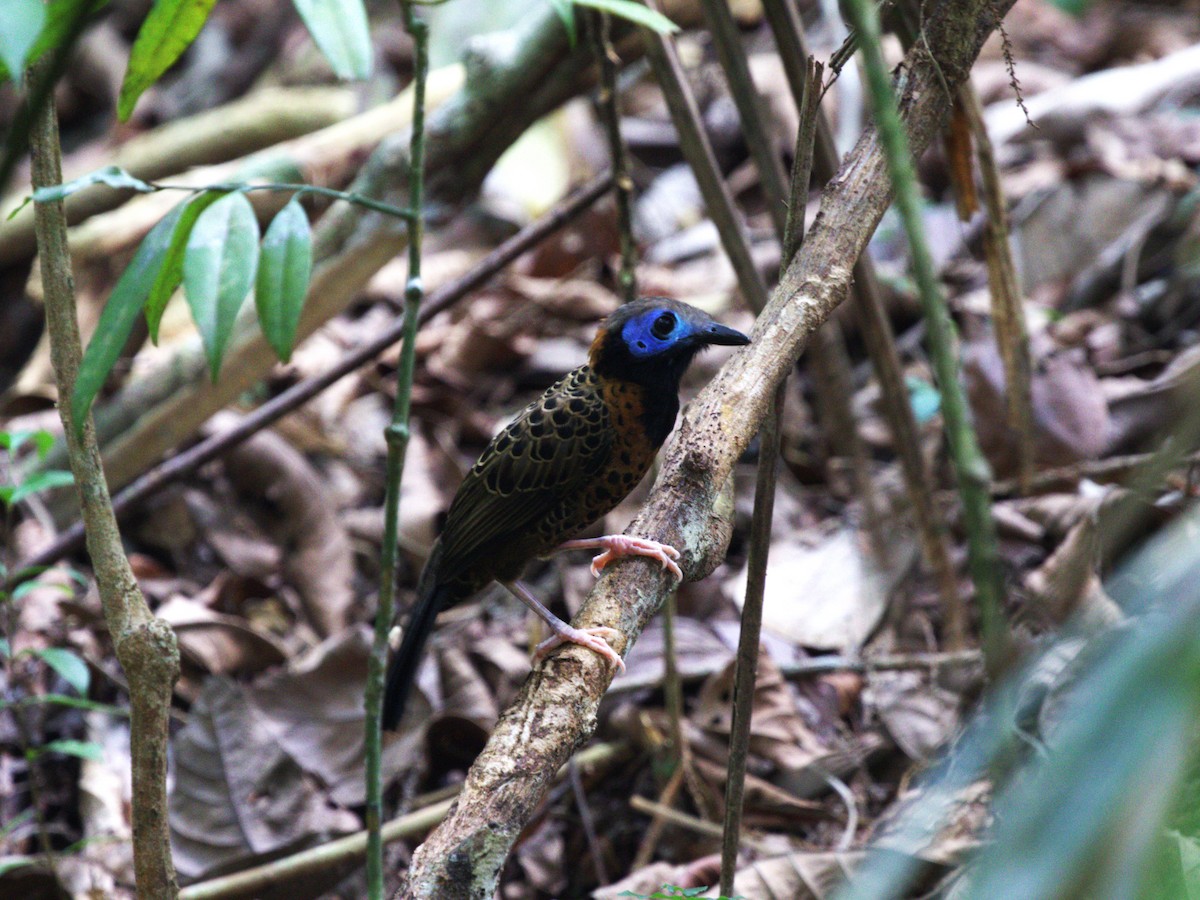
(653,340)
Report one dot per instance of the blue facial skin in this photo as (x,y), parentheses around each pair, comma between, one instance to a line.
(646,336)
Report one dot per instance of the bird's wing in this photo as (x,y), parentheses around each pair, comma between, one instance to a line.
(548,452)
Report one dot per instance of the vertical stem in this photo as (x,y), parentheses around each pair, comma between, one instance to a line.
(880,343)
(397,442)
(145,646)
(748,639)
(745,96)
(1009,314)
(764,506)
(672,686)
(622,182)
(971,469)
(699,155)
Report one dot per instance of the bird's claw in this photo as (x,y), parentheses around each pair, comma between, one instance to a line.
(595,639)
(622,545)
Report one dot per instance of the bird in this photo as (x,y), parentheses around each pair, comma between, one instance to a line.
(561,464)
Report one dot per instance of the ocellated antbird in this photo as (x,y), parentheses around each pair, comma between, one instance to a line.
(566,460)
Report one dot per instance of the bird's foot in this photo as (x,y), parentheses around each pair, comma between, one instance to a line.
(619,545)
(595,638)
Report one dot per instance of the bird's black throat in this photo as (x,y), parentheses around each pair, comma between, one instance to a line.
(659,376)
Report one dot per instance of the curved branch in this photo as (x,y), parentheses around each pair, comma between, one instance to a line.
(556,710)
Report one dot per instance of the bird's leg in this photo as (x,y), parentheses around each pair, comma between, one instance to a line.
(617,545)
(593,638)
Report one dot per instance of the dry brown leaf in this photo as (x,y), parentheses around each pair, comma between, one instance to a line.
(777,731)
(765,805)
(698,873)
(1068,583)
(105,799)
(1142,410)
(919,714)
(299,512)
(1070,416)
(797,876)
(699,651)
(828,596)
(238,795)
(314,713)
(965,817)
(217,643)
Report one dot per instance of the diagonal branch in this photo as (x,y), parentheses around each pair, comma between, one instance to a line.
(556,710)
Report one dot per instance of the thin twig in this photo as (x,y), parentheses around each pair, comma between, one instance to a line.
(189,460)
(619,156)
(759,140)
(694,143)
(971,468)
(589,824)
(145,646)
(396,434)
(827,353)
(683,820)
(1012,334)
(378,206)
(666,800)
(764,508)
(880,342)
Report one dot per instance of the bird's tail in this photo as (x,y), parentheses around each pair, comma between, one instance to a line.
(402,670)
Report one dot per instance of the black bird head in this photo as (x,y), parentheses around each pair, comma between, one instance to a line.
(652,341)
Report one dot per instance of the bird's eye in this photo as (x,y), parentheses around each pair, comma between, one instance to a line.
(663,325)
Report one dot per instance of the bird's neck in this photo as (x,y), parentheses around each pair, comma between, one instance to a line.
(653,407)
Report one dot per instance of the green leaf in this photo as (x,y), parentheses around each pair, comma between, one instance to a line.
(35,484)
(82,749)
(74,671)
(339,29)
(61,18)
(5,648)
(8,863)
(121,311)
(284,267)
(22,23)
(633,12)
(565,10)
(65,700)
(169,29)
(171,273)
(218,271)
(12,441)
(113,176)
(26,586)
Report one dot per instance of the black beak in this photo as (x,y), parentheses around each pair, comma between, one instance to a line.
(721,334)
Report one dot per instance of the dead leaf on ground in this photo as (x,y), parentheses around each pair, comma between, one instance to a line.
(918,713)
(964,819)
(314,713)
(827,596)
(299,512)
(238,796)
(698,873)
(217,643)
(777,731)
(1069,415)
(1068,583)
(699,651)
(797,876)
